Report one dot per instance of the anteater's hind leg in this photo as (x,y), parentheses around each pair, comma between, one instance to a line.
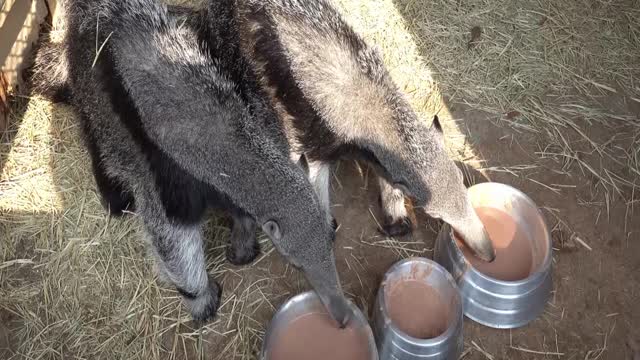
(243,245)
(397,218)
(115,198)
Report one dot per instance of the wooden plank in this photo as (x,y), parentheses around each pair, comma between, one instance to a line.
(6,42)
(18,32)
(4,105)
(55,10)
(4,10)
(12,26)
(20,22)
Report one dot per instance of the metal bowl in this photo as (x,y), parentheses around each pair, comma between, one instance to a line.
(306,303)
(498,303)
(394,343)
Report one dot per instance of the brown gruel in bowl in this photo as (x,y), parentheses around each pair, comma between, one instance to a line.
(316,336)
(417,309)
(514,252)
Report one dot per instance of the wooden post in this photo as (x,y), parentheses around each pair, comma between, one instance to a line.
(4,105)
(20,22)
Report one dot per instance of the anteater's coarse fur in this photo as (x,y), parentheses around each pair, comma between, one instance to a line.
(337,100)
(174,129)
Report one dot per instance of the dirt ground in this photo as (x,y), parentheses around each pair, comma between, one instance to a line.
(75,283)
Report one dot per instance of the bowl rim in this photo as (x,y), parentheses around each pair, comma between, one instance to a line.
(536,274)
(453,325)
(270,331)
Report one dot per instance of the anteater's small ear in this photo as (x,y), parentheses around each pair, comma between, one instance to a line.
(272,229)
(436,124)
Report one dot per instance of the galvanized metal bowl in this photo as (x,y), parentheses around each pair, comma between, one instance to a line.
(492,302)
(392,342)
(307,303)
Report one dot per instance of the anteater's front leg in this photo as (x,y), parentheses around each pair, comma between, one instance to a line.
(320,177)
(243,245)
(397,218)
(180,259)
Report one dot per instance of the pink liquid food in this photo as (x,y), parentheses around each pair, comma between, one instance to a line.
(514,252)
(417,309)
(316,336)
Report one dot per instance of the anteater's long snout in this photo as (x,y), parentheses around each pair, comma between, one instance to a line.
(474,234)
(324,280)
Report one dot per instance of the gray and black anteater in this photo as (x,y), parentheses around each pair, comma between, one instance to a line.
(174,128)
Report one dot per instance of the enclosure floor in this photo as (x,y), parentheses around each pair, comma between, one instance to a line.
(541,95)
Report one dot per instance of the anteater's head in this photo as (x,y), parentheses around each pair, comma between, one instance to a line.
(410,153)
(301,233)
(419,165)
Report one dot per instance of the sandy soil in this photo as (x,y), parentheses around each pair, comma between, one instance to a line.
(594,309)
